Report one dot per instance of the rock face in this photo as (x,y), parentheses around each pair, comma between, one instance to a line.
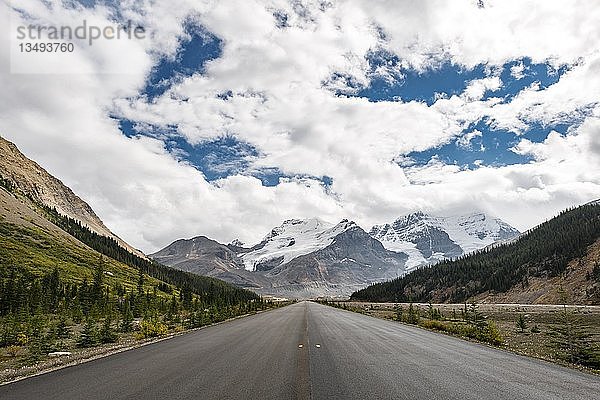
(293,238)
(207,257)
(352,260)
(427,239)
(36,183)
(299,259)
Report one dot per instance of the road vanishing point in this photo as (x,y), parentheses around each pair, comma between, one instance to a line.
(310,351)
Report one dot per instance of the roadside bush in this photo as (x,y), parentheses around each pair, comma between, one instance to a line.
(488,333)
(435,324)
(150,328)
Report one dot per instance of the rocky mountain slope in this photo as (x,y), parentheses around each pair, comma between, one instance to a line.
(207,257)
(352,260)
(33,181)
(427,239)
(298,259)
(312,258)
(293,238)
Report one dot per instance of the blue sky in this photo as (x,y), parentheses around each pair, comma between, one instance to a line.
(491,146)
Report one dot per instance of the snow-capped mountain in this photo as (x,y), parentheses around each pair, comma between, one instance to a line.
(427,239)
(311,257)
(293,238)
(298,259)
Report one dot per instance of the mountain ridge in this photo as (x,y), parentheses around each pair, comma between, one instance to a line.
(299,258)
(33,181)
(428,239)
(314,258)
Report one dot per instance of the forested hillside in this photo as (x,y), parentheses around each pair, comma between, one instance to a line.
(542,252)
(64,287)
(209,289)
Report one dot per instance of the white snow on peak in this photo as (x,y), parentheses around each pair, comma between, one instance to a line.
(474,231)
(294,238)
(470,232)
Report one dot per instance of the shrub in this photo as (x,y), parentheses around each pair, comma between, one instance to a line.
(150,328)
(435,324)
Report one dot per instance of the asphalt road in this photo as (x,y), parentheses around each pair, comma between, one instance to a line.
(343,356)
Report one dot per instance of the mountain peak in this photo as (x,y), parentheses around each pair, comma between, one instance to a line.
(291,239)
(237,243)
(427,239)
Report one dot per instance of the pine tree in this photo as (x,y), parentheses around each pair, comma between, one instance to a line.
(399,313)
(96,289)
(107,333)
(413,315)
(127,319)
(521,323)
(476,318)
(140,283)
(89,335)
(572,342)
(63,331)
(37,344)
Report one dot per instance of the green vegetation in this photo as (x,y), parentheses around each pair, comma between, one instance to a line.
(57,295)
(572,341)
(595,275)
(543,251)
(40,314)
(209,289)
(521,323)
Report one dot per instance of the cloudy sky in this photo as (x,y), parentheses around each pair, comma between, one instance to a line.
(232,116)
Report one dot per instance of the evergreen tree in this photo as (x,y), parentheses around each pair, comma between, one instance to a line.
(521,323)
(107,333)
(89,335)
(140,283)
(475,318)
(596,272)
(127,319)
(63,331)
(399,313)
(414,314)
(39,342)
(572,341)
(96,291)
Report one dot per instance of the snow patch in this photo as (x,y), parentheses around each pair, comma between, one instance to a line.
(470,232)
(294,238)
